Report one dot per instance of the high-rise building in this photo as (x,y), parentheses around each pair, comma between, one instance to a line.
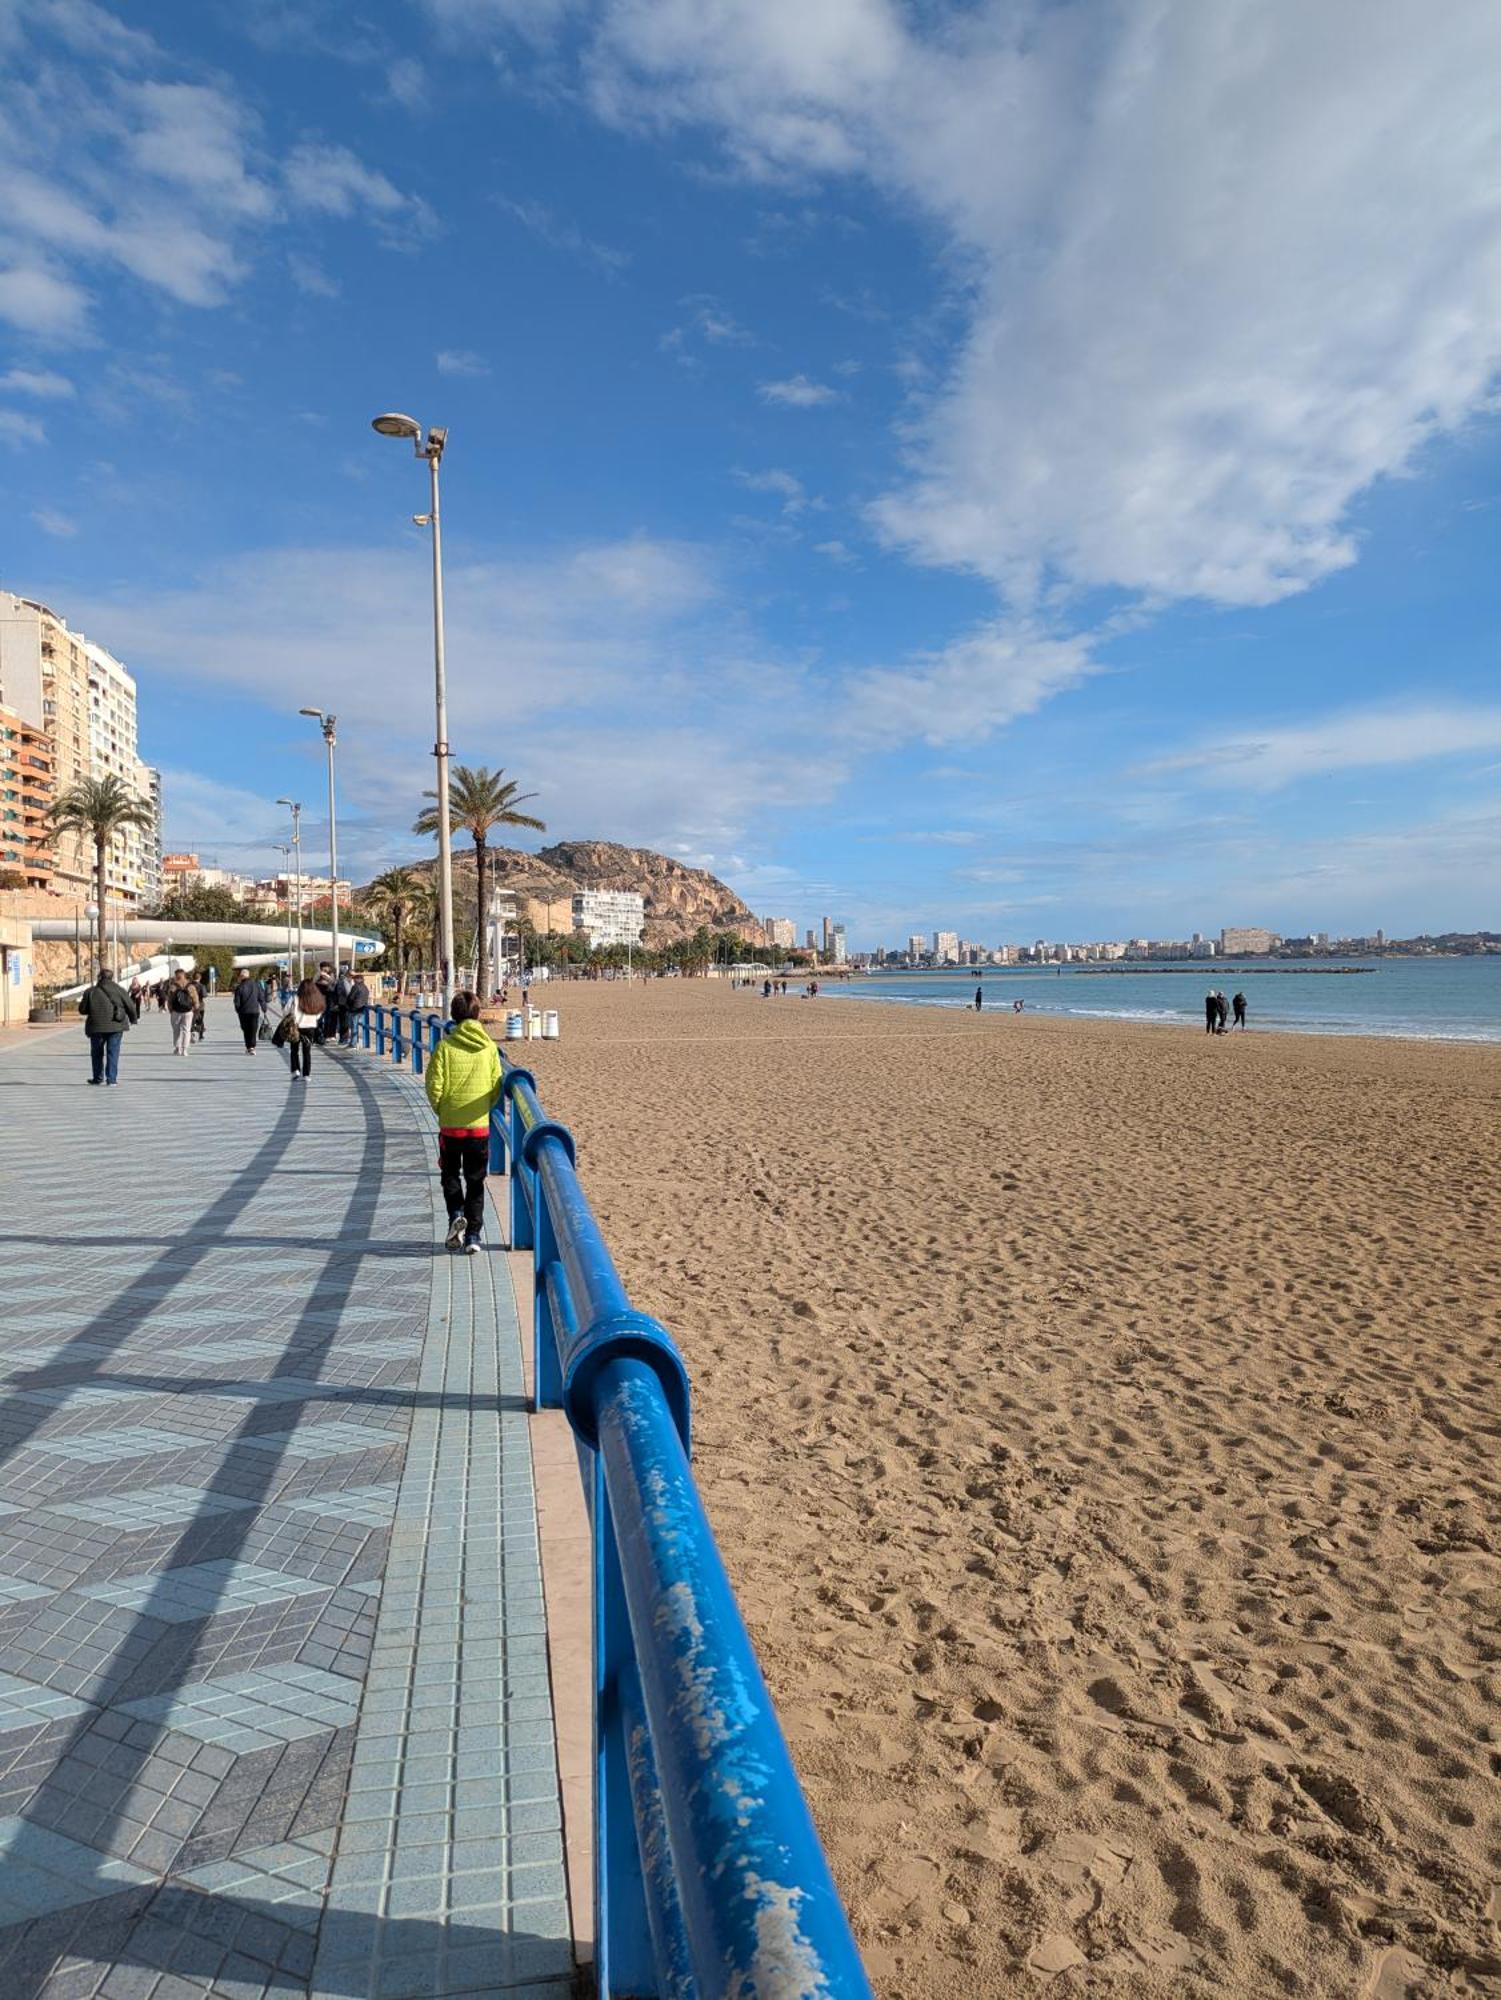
(26,840)
(946,947)
(84,701)
(1247,939)
(609,916)
(811,943)
(840,944)
(917,946)
(828,937)
(779,932)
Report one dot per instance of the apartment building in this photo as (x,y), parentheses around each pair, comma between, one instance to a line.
(779,932)
(946,947)
(1243,939)
(26,781)
(84,701)
(609,916)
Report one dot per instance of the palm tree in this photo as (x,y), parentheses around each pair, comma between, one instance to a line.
(426,915)
(99,808)
(389,899)
(479,800)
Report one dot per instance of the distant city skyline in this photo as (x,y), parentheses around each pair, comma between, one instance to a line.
(924,531)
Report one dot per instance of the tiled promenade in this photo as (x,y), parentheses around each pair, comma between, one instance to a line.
(274,1702)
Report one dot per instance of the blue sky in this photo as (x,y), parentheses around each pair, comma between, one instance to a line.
(1027,468)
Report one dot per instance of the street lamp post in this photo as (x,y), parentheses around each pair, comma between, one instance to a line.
(285,851)
(297,875)
(430,446)
(326,722)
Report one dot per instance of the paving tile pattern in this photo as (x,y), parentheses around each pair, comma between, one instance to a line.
(274,1709)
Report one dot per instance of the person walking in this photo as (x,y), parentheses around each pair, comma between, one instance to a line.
(249,1002)
(463,1082)
(1211,1012)
(1239,1006)
(199,980)
(303,1019)
(979,998)
(1222,1009)
(182,1005)
(108,1013)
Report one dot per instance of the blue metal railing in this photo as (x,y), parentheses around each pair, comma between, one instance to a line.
(710,1881)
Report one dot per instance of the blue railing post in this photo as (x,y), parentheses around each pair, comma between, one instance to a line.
(396,1048)
(548,1283)
(416,1043)
(380,1031)
(622,1926)
(365,1027)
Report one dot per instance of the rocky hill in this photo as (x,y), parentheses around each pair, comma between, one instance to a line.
(678,900)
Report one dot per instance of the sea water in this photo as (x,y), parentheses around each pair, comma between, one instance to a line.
(1433,999)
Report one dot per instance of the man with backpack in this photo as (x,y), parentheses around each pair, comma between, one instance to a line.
(108,1012)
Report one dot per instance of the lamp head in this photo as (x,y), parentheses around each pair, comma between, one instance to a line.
(315,713)
(394,425)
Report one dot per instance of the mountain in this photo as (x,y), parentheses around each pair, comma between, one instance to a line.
(678,900)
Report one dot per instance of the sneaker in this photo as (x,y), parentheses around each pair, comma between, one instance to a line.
(471,1246)
(455,1237)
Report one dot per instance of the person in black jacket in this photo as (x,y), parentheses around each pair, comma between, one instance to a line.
(108,1012)
(356,1009)
(248,1001)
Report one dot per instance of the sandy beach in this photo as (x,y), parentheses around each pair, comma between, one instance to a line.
(1102,1428)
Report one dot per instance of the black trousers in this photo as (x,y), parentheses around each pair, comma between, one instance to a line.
(462,1166)
(301,1051)
(250,1027)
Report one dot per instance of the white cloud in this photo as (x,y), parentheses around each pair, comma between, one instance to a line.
(557,230)
(786,486)
(39,382)
(837,552)
(461,361)
(1229,266)
(407,84)
(36,299)
(976,685)
(332,180)
(1357,739)
(123,165)
(52,523)
(17,429)
(309,276)
(799,393)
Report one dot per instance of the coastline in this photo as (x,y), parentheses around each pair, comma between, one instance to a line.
(1186,1023)
(1099,1429)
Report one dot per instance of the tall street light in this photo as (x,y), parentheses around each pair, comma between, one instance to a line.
(430,446)
(285,851)
(327,722)
(297,864)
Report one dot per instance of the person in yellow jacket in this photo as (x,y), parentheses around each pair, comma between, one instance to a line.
(463,1081)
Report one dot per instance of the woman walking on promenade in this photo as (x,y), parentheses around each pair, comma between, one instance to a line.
(182,1005)
(306,1017)
(248,1001)
(463,1081)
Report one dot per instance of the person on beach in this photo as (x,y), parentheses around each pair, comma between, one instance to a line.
(979,998)
(1222,1006)
(248,1004)
(1239,1005)
(463,1082)
(303,1019)
(1211,1012)
(108,1013)
(182,1005)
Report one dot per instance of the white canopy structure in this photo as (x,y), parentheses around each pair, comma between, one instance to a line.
(253,941)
